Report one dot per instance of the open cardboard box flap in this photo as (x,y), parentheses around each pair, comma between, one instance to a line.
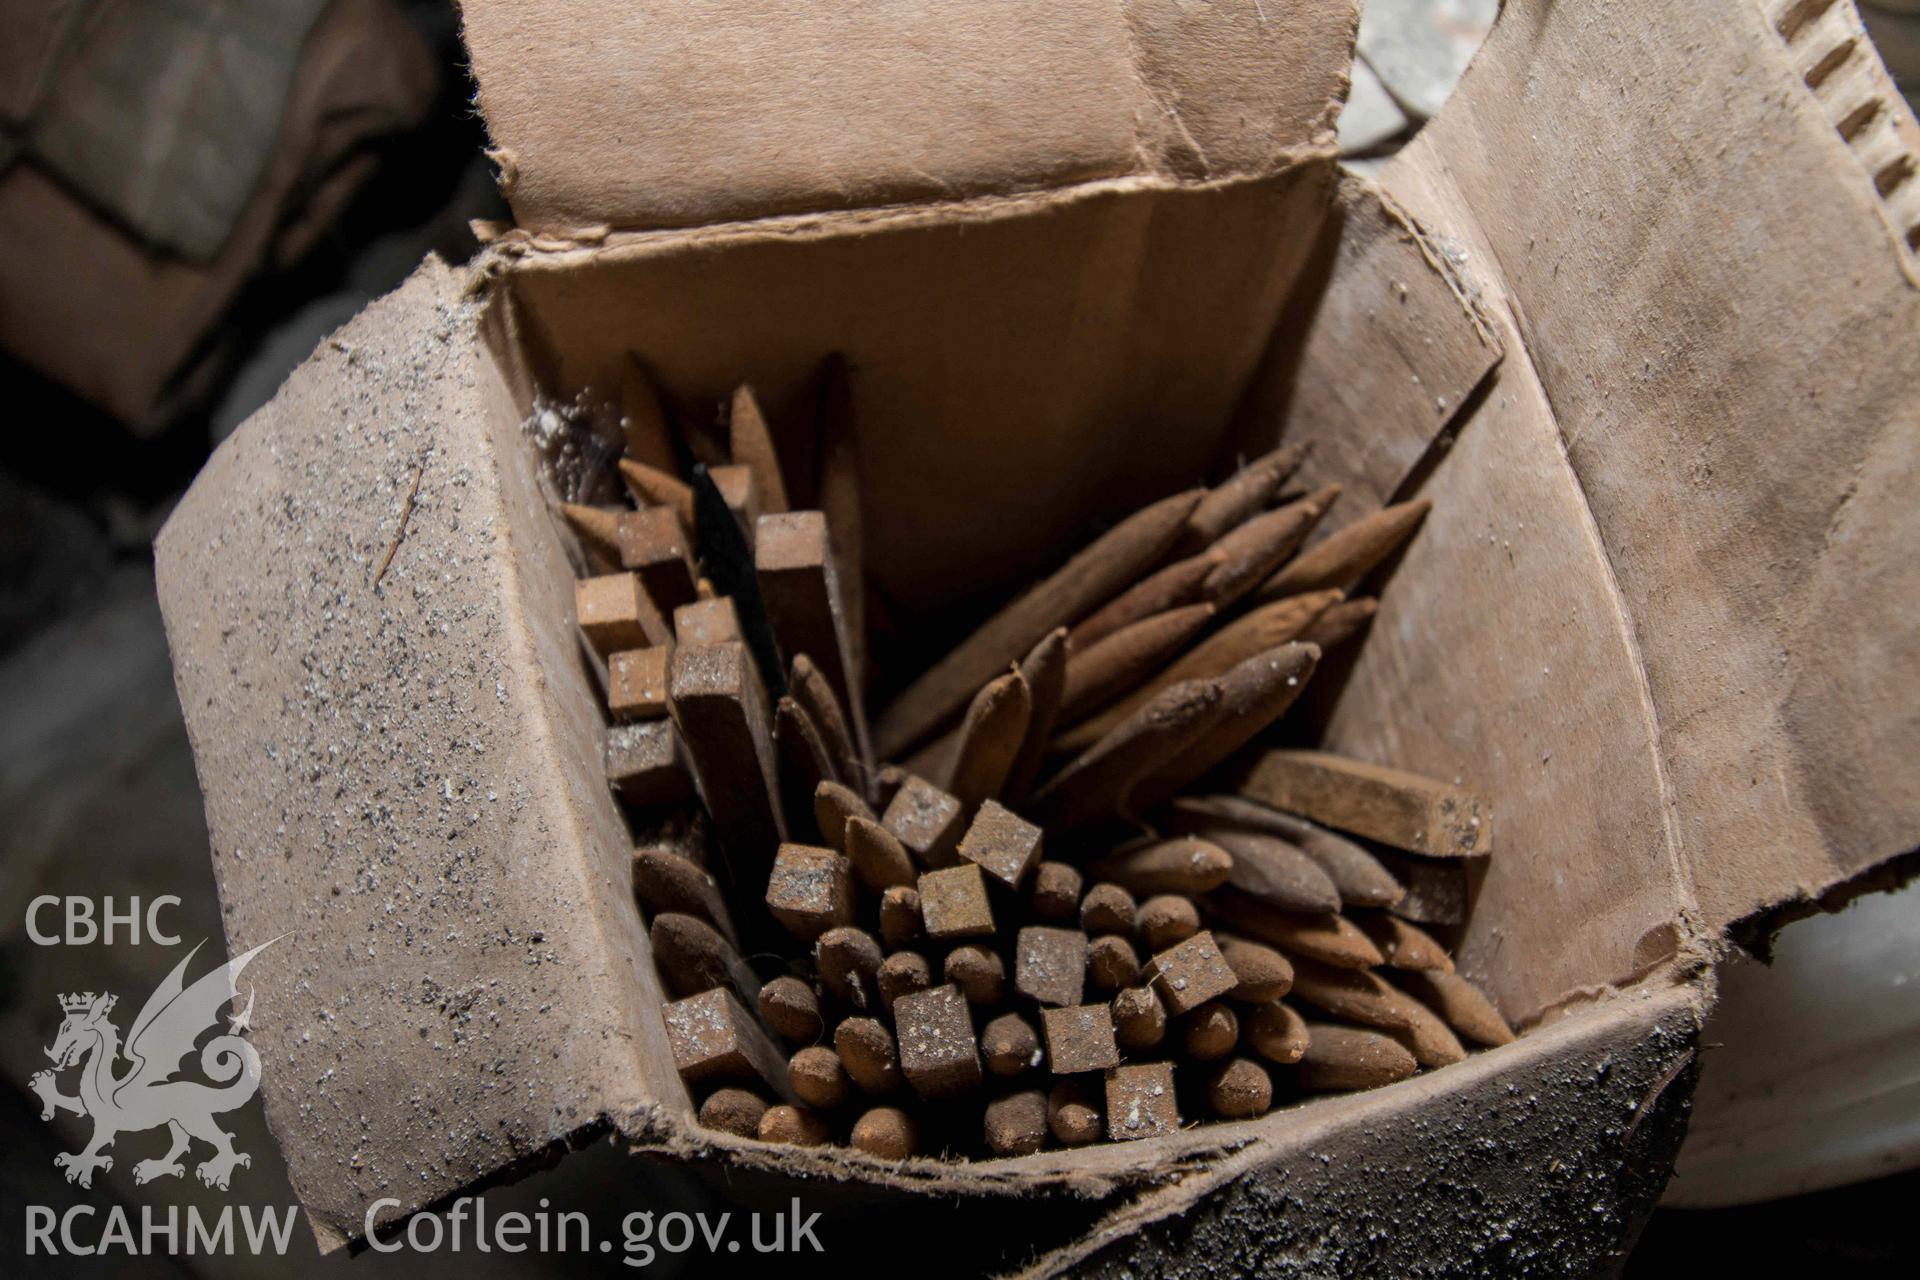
(1663,612)
(629,117)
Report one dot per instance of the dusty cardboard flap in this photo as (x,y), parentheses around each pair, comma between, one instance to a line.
(364,600)
(1689,487)
(632,116)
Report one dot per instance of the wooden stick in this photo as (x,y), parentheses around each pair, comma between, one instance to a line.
(879,860)
(1427,1038)
(1110,667)
(1330,939)
(990,737)
(712,1036)
(1339,1058)
(839,498)
(849,963)
(597,527)
(1265,975)
(799,584)
(614,613)
(1045,671)
(722,713)
(1269,869)
(1129,549)
(1253,695)
(637,683)
(654,545)
(1167,918)
(1462,1004)
(809,687)
(645,765)
(885,1132)
(1245,637)
(692,956)
(1359,876)
(1235,500)
(643,418)
(1392,806)
(1346,555)
(1180,583)
(1239,1089)
(1276,1032)
(804,763)
(1073,1112)
(818,1078)
(1356,995)
(651,486)
(1261,545)
(1182,865)
(834,806)
(789,1005)
(1341,622)
(1097,782)
(664,881)
(750,442)
(710,620)
(740,491)
(1405,946)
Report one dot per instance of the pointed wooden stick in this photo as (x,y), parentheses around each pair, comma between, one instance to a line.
(838,496)
(750,441)
(1341,622)
(1245,637)
(805,763)
(1045,671)
(1236,499)
(643,418)
(990,737)
(1108,668)
(1180,583)
(1182,865)
(1276,1032)
(809,687)
(835,806)
(1392,806)
(1338,1057)
(1405,945)
(1253,695)
(1268,868)
(597,527)
(1129,549)
(1097,782)
(1356,873)
(655,488)
(1330,939)
(1358,995)
(1347,554)
(1462,1004)
(1254,550)
(1428,1038)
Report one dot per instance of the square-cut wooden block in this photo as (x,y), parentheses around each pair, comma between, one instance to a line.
(810,890)
(637,683)
(938,1052)
(1079,1038)
(654,545)
(927,820)
(1050,965)
(644,766)
(953,903)
(1140,1102)
(714,1037)
(614,613)
(1190,974)
(1002,844)
(713,621)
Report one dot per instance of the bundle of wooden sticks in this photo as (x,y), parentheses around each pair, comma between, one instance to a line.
(1087,901)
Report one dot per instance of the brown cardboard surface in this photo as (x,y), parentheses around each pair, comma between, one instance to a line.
(1019,366)
(638,116)
(1722,328)
(403,776)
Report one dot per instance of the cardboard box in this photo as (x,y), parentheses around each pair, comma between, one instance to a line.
(1631,311)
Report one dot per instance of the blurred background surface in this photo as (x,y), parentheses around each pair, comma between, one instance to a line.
(193,195)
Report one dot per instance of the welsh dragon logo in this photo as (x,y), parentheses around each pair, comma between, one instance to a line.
(145,1095)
